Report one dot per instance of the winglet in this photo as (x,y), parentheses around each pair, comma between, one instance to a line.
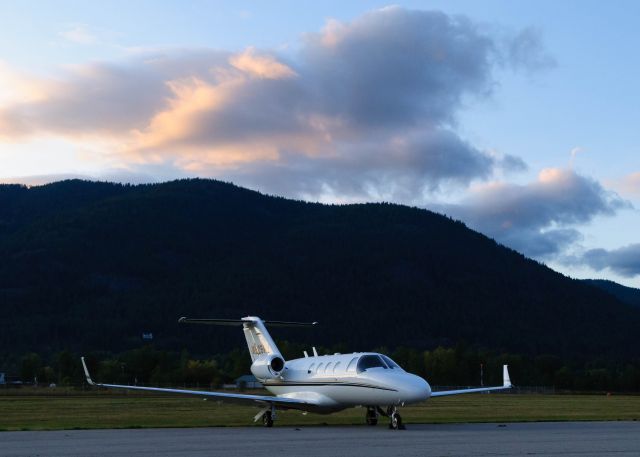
(506,380)
(86,372)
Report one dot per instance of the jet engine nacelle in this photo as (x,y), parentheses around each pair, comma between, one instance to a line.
(267,366)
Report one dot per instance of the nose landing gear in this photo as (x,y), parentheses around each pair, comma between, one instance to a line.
(395,420)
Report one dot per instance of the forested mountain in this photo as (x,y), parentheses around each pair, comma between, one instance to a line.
(625,294)
(91,266)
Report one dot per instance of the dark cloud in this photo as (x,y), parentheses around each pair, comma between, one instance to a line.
(624,261)
(536,218)
(403,170)
(397,67)
(511,163)
(538,243)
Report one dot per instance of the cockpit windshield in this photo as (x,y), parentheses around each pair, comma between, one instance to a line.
(390,363)
(370,361)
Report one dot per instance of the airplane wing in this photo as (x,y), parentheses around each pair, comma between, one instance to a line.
(259,400)
(506,384)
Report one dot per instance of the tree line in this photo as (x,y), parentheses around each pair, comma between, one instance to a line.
(442,366)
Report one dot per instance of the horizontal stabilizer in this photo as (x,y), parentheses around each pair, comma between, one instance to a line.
(239,322)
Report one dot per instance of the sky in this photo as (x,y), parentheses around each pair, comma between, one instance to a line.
(518,118)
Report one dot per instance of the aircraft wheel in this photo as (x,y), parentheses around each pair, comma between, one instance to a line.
(396,421)
(371,417)
(267,419)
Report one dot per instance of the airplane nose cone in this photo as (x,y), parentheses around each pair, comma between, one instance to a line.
(417,389)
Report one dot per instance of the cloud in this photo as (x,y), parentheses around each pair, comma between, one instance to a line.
(262,66)
(105,99)
(79,34)
(17,88)
(525,50)
(628,185)
(363,107)
(511,163)
(537,218)
(395,67)
(395,169)
(624,261)
(92,99)
(575,151)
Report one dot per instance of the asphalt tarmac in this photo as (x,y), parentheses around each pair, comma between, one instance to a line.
(620,439)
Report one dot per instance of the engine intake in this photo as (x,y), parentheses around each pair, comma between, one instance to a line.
(267,366)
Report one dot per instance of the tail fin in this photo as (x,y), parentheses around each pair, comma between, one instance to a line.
(506,380)
(258,339)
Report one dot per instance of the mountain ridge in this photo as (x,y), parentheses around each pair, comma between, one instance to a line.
(625,294)
(91,266)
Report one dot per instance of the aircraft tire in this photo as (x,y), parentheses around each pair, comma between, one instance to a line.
(371,417)
(267,419)
(396,422)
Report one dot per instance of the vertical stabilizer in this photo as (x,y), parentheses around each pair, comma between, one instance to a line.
(258,339)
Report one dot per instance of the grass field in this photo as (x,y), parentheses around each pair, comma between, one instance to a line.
(46,411)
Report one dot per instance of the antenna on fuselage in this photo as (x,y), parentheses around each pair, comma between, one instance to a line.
(315,353)
(305,354)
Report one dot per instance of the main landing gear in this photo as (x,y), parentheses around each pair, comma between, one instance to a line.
(268,416)
(267,419)
(371,416)
(395,420)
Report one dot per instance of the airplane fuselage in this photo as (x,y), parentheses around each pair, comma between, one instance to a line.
(335,382)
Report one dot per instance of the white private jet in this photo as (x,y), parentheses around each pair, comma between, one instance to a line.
(319,383)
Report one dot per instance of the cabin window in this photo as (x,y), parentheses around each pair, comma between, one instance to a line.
(336,367)
(352,365)
(320,365)
(370,361)
(390,363)
(327,369)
